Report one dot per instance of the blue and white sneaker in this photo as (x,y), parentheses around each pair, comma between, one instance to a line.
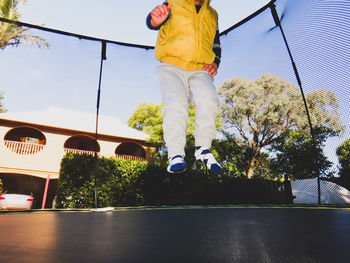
(177,164)
(205,156)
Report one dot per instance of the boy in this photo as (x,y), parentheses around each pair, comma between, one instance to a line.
(189,48)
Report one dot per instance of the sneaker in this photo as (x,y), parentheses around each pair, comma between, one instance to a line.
(177,164)
(205,156)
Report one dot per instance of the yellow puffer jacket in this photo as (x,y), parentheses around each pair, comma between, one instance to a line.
(186,39)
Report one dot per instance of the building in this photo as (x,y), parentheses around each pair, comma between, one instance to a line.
(32,145)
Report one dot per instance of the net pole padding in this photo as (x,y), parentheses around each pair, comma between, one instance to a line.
(43,204)
(103,57)
(279,25)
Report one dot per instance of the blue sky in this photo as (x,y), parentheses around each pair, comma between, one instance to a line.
(120,20)
(66,74)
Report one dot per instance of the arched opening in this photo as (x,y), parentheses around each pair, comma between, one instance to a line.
(130,150)
(29,185)
(81,144)
(25,140)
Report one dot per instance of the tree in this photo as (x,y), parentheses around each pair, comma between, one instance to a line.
(262,110)
(12,34)
(343,153)
(232,154)
(1,106)
(297,157)
(149,119)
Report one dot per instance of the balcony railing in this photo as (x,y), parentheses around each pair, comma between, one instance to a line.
(68,150)
(31,148)
(130,157)
(23,147)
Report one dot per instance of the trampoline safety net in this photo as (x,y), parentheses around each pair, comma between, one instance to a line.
(265,66)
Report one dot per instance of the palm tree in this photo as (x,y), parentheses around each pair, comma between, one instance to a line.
(12,34)
(2,110)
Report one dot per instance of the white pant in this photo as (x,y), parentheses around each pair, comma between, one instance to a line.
(179,88)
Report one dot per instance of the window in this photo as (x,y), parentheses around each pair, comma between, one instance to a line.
(81,144)
(130,150)
(25,140)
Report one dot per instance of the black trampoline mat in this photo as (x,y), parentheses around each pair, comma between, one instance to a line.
(226,234)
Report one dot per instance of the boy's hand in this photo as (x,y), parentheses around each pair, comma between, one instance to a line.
(211,68)
(159,14)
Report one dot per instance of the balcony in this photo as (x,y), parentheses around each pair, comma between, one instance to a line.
(78,151)
(130,151)
(23,147)
(131,157)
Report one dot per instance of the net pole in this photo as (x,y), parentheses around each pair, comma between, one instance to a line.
(103,57)
(43,204)
(278,24)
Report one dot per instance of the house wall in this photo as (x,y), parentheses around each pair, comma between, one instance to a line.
(47,161)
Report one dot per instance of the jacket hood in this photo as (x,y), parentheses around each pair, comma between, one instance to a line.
(205,1)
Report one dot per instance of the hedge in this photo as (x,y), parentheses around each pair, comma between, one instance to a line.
(122,182)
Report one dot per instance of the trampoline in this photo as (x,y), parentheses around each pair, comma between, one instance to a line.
(317,32)
(178,234)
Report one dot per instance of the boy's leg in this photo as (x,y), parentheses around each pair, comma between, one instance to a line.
(174,91)
(206,103)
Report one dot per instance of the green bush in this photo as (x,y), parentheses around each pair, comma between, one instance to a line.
(132,183)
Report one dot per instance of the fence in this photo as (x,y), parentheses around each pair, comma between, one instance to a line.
(23,148)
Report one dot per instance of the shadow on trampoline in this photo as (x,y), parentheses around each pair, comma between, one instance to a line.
(178,234)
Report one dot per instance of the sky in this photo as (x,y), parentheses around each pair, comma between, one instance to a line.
(120,20)
(112,20)
(66,74)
